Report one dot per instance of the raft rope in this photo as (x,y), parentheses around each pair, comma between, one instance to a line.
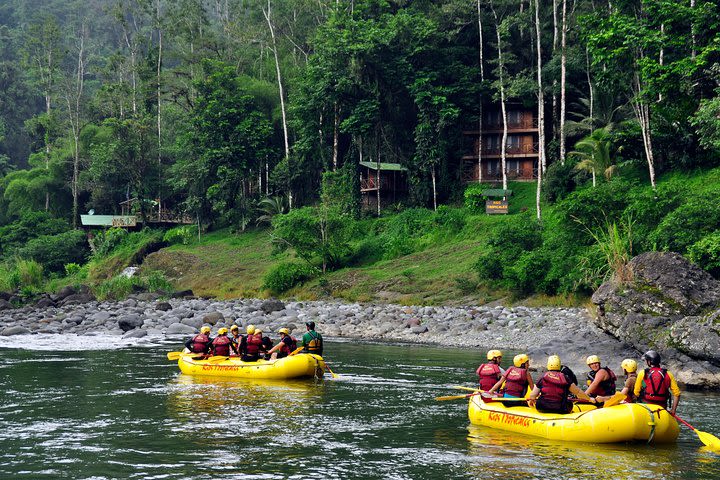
(652,422)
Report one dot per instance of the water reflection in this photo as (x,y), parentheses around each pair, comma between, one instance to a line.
(515,455)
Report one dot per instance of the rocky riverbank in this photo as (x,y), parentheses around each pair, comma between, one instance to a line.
(539,331)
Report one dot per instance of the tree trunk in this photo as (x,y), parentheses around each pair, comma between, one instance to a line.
(336,135)
(563,75)
(590,88)
(501,78)
(642,113)
(692,30)
(480,142)
(541,98)
(480,49)
(159,138)
(434,186)
(282,104)
(73,97)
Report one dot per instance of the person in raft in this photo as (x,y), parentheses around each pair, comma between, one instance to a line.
(250,347)
(285,346)
(221,344)
(550,394)
(236,339)
(312,341)
(655,384)
(200,343)
(601,380)
(490,373)
(265,343)
(517,379)
(629,367)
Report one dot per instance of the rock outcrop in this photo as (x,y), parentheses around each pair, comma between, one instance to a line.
(672,306)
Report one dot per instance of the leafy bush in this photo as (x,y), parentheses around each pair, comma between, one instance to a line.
(527,274)
(474,201)
(450,220)
(72,269)
(647,208)
(120,287)
(55,251)
(689,223)
(105,241)
(706,253)
(559,181)
(29,274)
(506,244)
(30,225)
(156,281)
(183,235)
(284,276)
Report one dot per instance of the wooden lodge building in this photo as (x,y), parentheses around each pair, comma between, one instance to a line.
(390,179)
(521,152)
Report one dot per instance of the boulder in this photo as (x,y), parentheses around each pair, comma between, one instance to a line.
(137,333)
(66,291)
(5,305)
(45,302)
(129,322)
(78,299)
(213,318)
(272,305)
(180,329)
(163,306)
(669,305)
(16,330)
(182,294)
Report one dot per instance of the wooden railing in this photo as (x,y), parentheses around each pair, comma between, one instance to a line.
(522,124)
(529,148)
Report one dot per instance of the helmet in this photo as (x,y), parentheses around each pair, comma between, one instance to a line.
(592,359)
(233,328)
(222,331)
(250,329)
(519,360)
(310,325)
(652,357)
(258,330)
(629,365)
(205,329)
(554,363)
(494,354)
(284,330)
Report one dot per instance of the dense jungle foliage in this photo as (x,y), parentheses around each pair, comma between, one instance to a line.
(247,114)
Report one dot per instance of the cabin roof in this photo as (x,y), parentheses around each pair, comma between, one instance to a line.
(384,166)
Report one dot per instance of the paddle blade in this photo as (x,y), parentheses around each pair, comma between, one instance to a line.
(614,400)
(709,439)
(451,397)
(460,387)
(217,358)
(173,356)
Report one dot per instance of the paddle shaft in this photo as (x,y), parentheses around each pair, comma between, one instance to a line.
(682,421)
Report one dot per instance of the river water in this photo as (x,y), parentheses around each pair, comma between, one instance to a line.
(126,412)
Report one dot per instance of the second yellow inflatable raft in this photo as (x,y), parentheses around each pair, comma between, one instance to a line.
(625,422)
(296,366)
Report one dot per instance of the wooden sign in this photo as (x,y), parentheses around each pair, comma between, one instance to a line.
(496,206)
(124,221)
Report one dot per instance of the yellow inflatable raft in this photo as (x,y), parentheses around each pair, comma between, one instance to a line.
(625,422)
(296,366)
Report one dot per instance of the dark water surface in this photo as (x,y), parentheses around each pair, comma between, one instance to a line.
(129,413)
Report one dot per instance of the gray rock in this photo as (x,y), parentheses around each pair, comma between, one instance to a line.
(136,333)
(272,305)
(65,292)
(77,299)
(213,317)
(419,329)
(180,329)
(16,330)
(163,306)
(100,317)
(5,305)
(129,322)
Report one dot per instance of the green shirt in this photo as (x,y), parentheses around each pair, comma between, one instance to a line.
(312,342)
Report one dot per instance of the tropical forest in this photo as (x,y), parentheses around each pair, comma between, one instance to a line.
(349,148)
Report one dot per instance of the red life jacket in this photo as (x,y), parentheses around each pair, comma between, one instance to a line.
(221,345)
(253,344)
(606,387)
(555,388)
(489,374)
(516,381)
(657,386)
(200,343)
(286,349)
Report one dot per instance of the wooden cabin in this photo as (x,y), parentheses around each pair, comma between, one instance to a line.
(521,147)
(389,178)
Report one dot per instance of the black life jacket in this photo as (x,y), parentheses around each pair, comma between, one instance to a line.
(253,344)
(286,349)
(516,382)
(606,387)
(221,345)
(554,390)
(656,386)
(200,343)
(489,374)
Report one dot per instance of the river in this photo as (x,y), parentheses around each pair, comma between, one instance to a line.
(127,412)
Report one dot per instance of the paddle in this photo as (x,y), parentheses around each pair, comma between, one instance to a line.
(176,355)
(297,350)
(707,438)
(217,358)
(460,387)
(614,400)
(328,369)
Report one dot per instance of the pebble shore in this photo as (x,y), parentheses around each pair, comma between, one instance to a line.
(537,331)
